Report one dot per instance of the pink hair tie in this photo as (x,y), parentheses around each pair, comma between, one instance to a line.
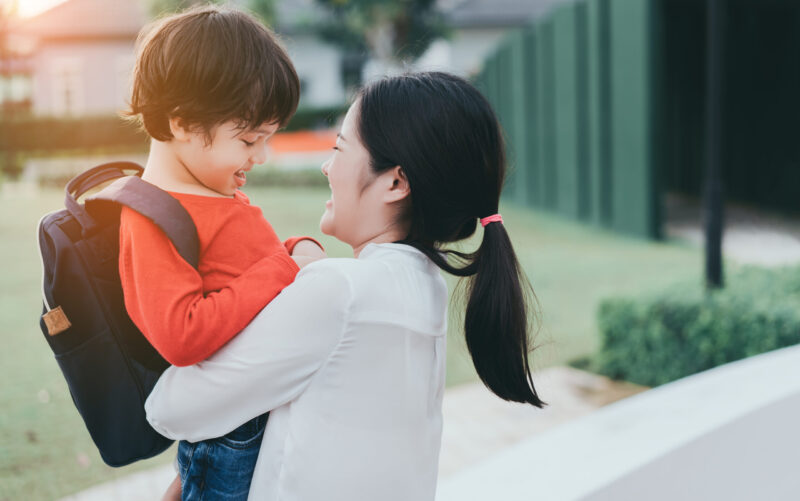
(494,218)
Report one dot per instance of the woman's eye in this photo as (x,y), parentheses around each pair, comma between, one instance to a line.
(336,148)
(248,143)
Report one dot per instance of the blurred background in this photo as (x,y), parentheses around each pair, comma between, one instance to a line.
(652,195)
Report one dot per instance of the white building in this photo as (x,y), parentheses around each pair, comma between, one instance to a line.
(81,54)
(477,27)
(318,64)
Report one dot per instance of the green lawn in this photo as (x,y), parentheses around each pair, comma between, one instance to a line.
(45,451)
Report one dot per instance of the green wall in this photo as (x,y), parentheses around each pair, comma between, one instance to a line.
(574,94)
(603,105)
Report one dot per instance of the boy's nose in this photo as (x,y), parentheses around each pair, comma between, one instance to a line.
(259,156)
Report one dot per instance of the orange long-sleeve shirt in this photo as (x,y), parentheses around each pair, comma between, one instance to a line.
(187,314)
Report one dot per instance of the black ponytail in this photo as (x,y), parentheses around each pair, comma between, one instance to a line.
(496,321)
(445,136)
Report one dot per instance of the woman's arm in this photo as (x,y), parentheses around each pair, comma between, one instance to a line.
(267,365)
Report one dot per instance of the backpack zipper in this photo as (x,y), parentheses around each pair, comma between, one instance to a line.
(41,258)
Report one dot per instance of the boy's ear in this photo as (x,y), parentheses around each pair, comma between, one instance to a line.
(178,131)
(398,188)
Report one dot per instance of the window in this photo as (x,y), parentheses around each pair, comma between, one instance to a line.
(124,79)
(67,86)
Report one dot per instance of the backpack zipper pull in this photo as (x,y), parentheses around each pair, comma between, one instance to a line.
(56,321)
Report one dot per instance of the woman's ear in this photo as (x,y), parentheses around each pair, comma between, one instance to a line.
(178,131)
(398,187)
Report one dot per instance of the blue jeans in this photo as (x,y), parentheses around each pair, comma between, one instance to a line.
(221,468)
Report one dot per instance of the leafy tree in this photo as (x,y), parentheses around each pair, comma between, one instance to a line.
(8,11)
(394,31)
(158,7)
(264,9)
(8,158)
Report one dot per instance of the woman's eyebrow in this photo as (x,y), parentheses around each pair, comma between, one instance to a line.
(339,135)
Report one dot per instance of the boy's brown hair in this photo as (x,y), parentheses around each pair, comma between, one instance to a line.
(209,65)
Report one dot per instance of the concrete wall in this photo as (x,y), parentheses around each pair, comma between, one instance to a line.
(730,433)
(464,53)
(318,65)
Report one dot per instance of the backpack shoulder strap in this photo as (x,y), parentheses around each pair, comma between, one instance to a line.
(156,205)
(87,180)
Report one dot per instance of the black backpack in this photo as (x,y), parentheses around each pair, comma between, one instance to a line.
(109,366)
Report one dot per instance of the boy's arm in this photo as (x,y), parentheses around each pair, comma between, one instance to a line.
(164,294)
(304,246)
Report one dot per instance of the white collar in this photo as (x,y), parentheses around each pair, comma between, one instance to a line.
(404,252)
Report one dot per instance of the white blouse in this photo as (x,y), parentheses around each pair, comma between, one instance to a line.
(350,359)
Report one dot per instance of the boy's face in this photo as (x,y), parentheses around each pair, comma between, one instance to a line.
(222,165)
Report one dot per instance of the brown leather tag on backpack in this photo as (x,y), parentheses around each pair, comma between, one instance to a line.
(56,321)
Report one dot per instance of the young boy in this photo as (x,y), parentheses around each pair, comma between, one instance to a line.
(211,85)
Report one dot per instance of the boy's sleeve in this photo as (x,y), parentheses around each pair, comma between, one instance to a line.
(290,242)
(185,326)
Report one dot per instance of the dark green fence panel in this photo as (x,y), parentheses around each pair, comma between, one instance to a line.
(583,111)
(519,119)
(598,111)
(505,107)
(547,136)
(566,113)
(633,207)
(531,118)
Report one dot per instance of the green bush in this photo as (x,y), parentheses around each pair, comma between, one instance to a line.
(45,135)
(316,118)
(272,177)
(684,330)
(42,135)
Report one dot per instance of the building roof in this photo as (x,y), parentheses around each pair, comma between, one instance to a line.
(87,19)
(494,13)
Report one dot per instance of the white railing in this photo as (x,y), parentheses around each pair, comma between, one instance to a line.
(730,433)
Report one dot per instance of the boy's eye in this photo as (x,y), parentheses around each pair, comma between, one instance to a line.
(248,143)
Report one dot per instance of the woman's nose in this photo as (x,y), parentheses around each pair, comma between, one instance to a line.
(325,167)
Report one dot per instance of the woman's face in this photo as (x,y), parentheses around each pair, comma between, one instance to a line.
(348,211)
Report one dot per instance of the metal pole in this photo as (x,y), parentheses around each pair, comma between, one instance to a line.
(714,210)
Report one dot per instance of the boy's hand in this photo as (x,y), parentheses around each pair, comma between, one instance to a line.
(307,248)
(173,491)
(303,261)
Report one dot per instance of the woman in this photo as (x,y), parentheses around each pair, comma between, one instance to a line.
(350,359)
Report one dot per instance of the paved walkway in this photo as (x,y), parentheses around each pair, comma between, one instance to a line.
(751,236)
(476,425)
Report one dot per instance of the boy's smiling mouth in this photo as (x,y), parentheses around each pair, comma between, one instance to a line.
(241,177)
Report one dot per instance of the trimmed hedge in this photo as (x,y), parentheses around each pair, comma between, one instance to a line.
(267,176)
(45,134)
(684,330)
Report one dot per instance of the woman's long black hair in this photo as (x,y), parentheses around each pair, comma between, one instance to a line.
(444,135)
